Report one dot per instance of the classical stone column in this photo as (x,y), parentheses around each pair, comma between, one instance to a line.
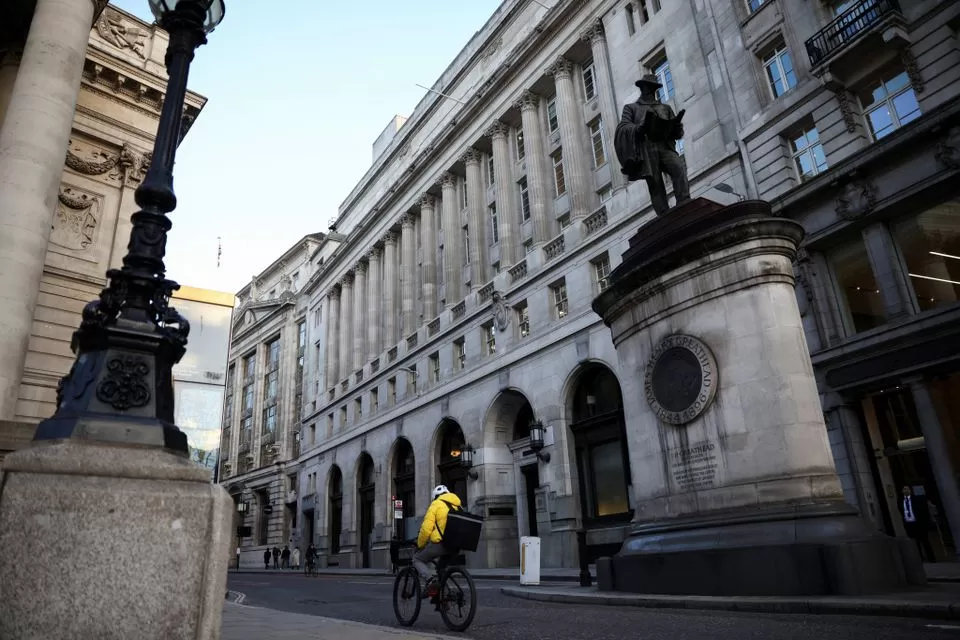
(606,92)
(33,142)
(539,180)
(346,325)
(374,302)
(477,216)
(506,194)
(408,259)
(452,256)
(576,160)
(359,316)
(333,337)
(428,244)
(389,290)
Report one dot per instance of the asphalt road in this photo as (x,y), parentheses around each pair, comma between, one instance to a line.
(368,599)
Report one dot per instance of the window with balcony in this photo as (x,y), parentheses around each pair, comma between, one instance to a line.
(859,293)
(392,391)
(564,221)
(605,194)
(413,377)
(559,182)
(523,318)
(558,292)
(596,143)
(496,267)
(852,18)
(601,272)
(374,401)
(460,353)
(889,103)
(588,75)
(330,425)
(521,152)
(808,156)
(930,245)
(343,417)
(524,199)
(778,67)
(527,246)
(489,338)
(357,409)
(552,122)
(494,224)
(435,368)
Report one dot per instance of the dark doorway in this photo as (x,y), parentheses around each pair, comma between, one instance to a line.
(404,488)
(451,471)
(531,481)
(336,512)
(308,531)
(367,491)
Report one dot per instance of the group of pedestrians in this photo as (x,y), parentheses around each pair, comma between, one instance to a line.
(284,559)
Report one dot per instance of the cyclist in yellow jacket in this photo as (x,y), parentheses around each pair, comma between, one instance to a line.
(430,541)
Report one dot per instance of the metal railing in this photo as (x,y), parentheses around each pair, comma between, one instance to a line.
(847,26)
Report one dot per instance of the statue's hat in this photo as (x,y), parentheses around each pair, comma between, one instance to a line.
(648,79)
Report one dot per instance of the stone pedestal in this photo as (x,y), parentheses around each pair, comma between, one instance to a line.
(734,482)
(110,541)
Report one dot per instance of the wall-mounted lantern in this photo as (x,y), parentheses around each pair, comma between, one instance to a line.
(466,460)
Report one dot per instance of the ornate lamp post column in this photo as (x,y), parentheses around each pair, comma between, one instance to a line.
(110,469)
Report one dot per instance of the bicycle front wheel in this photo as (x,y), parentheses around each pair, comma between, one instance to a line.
(458,599)
(406,596)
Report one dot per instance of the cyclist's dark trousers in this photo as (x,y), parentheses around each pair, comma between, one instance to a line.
(427,555)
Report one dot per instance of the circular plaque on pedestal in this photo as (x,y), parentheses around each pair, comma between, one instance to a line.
(681,379)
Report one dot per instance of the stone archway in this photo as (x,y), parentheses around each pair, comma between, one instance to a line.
(450,442)
(404,487)
(335,513)
(366,501)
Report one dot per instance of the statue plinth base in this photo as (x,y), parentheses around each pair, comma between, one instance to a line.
(734,484)
(111,541)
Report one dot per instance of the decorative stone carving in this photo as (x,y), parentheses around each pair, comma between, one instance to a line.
(374,253)
(501,318)
(124,386)
(594,33)
(361,268)
(134,165)
(493,48)
(91,161)
(857,198)
(497,130)
(390,238)
(471,156)
(77,218)
(427,200)
(122,34)
(681,379)
(406,221)
(912,68)
(948,150)
(561,69)
(527,100)
(447,180)
(334,293)
(846,110)
(347,279)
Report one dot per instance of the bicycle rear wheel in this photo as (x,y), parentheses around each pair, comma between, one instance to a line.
(458,599)
(406,596)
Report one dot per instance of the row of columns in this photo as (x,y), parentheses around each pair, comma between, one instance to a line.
(368,298)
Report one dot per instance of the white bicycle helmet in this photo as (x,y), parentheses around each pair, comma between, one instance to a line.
(439,490)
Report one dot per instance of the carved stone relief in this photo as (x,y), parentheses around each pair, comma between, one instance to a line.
(90,160)
(500,316)
(121,33)
(948,150)
(77,218)
(857,198)
(846,110)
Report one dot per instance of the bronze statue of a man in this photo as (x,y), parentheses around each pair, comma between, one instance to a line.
(645,142)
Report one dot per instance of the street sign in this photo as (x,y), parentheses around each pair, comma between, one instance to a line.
(398,514)
(398,504)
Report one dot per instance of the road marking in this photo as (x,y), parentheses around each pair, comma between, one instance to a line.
(943,626)
(365,582)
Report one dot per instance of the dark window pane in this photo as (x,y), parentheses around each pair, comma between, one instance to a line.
(930,245)
(610,481)
(857,286)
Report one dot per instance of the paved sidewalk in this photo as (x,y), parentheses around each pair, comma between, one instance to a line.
(254,623)
(546,575)
(938,601)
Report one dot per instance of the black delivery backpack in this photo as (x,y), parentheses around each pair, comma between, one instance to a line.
(463,530)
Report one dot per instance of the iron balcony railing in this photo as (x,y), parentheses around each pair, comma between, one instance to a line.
(847,26)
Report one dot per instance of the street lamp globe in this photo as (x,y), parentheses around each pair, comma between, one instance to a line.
(212,11)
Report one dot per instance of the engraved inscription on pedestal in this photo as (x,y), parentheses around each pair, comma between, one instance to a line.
(694,467)
(681,379)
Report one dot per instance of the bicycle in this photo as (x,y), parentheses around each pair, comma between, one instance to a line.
(311,567)
(450,596)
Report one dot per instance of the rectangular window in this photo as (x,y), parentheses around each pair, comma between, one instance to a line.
(440,263)
(656,5)
(463,194)
(228,399)
(435,368)
(930,245)
(755,5)
(589,81)
(357,409)
(392,391)
(489,338)
(374,401)
(343,417)
(494,225)
(270,420)
(527,247)
(596,140)
(523,318)
(412,377)
(329,426)
(778,66)
(466,246)
(564,221)
(560,304)
(521,152)
(664,75)
(496,267)
(559,184)
(889,104)
(644,14)
(605,194)
(807,152)
(857,286)
(460,353)
(524,199)
(491,177)
(601,272)
(631,24)
(552,121)
(312,434)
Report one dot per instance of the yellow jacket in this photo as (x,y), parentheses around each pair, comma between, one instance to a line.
(435,522)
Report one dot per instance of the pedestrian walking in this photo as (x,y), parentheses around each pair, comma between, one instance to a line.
(285,557)
(916,522)
(296,558)
(276,557)
(266,558)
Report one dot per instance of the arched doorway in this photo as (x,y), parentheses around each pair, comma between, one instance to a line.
(335,525)
(404,488)
(599,435)
(366,490)
(450,471)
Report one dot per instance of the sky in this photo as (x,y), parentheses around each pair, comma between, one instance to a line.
(297,93)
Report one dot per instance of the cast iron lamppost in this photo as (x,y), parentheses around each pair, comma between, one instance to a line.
(466,461)
(120,388)
(537,433)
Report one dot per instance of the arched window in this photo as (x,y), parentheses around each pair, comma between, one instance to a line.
(449,469)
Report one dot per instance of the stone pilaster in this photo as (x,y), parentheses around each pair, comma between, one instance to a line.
(603,85)
(477,216)
(359,315)
(505,187)
(346,325)
(374,302)
(333,336)
(428,244)
(33,141)
(389,290)
(452,256)
(538,173)
(576,160)
(408,259)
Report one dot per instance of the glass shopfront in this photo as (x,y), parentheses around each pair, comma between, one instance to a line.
(930,246)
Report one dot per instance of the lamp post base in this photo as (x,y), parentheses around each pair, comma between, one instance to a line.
(134,543)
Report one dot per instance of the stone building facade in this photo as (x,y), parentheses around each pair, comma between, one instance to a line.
(456,310)
(79,108)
